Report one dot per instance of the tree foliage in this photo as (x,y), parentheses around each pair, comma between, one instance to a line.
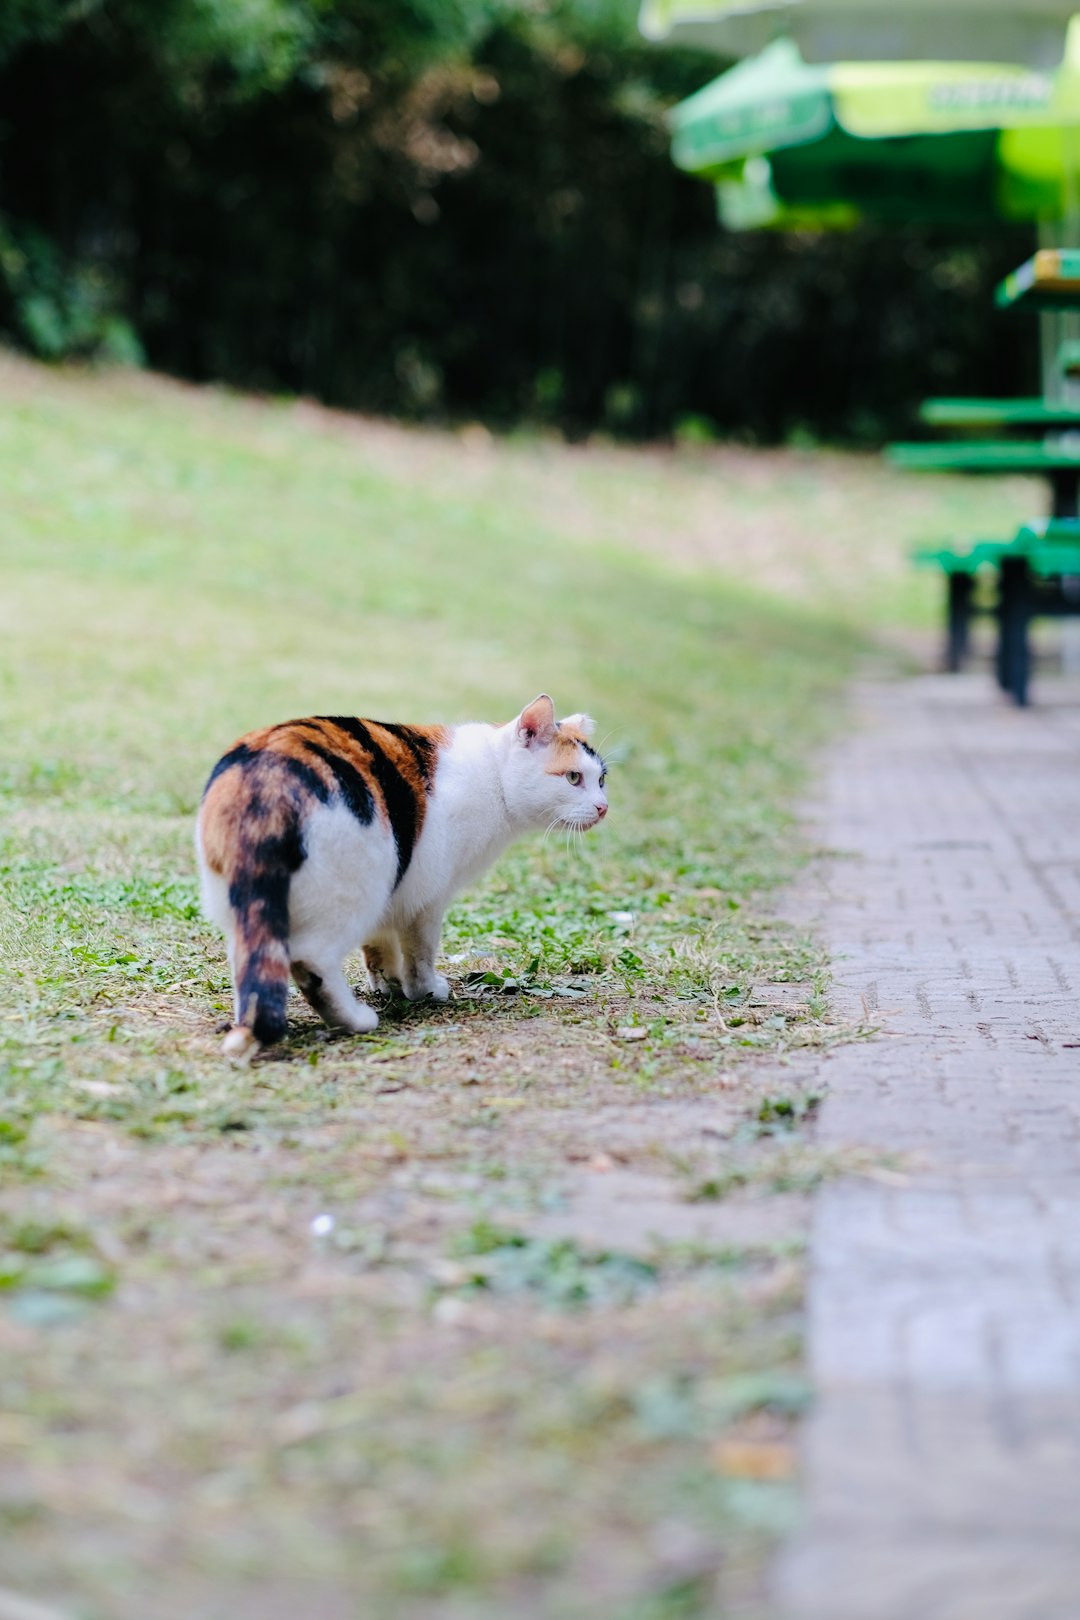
(443,207)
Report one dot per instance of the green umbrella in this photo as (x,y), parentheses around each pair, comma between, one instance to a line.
(974,141)
(1028,32)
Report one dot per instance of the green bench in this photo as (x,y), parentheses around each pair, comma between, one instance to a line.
(962,565)
(1038,570)
(1037,574)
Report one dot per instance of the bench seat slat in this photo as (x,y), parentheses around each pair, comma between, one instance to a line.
(989,456)
(1051,547)
(1034,413)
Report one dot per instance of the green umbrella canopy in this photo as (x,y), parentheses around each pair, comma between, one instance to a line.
(1028,32)
(886,140)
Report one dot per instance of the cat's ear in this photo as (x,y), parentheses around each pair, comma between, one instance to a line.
(536,724)
(583,723)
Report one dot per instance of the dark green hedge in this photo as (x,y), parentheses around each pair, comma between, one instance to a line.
(457,208)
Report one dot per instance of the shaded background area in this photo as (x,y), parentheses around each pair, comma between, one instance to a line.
(448,211)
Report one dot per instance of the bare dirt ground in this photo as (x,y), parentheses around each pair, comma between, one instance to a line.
(506,1274)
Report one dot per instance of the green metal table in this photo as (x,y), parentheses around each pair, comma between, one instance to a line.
(1056,458)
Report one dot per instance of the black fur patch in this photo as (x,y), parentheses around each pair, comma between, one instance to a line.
(305,774)
(259,894)
(265,760)
(236,756)
(397,795)
(310,985)
(270,995)
(350,784)
(422,749)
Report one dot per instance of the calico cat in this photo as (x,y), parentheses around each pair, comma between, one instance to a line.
(318,836)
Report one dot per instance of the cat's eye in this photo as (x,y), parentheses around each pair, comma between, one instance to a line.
(574,778)
(603,777)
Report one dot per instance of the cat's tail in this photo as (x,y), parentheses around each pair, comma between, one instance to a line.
(260,904)
(248,857)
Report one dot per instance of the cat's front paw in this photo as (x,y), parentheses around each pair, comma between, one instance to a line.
(428,986)
(359,1019)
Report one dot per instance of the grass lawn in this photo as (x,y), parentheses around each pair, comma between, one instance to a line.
(496,1312)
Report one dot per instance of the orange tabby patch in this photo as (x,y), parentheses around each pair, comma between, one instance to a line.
(234,817)
(563,753)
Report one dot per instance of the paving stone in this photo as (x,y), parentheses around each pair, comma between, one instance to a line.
(942,1463)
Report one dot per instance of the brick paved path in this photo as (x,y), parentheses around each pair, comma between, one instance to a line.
(943,1462)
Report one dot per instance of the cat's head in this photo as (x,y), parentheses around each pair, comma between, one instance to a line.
(554,777)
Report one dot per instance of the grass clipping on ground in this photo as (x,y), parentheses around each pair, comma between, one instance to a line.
(494,1312)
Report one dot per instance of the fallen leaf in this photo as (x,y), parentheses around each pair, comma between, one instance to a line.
(754,1459)
(98,1088)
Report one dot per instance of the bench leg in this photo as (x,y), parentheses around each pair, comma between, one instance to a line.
(1014,615)
(958,623)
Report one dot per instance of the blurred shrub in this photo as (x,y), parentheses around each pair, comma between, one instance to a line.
(62,310)
(446,207)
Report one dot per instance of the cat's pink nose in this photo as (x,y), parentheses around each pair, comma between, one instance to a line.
(601,811)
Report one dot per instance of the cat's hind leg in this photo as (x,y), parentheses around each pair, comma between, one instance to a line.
(385,963)
(420,942)
(325,988)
